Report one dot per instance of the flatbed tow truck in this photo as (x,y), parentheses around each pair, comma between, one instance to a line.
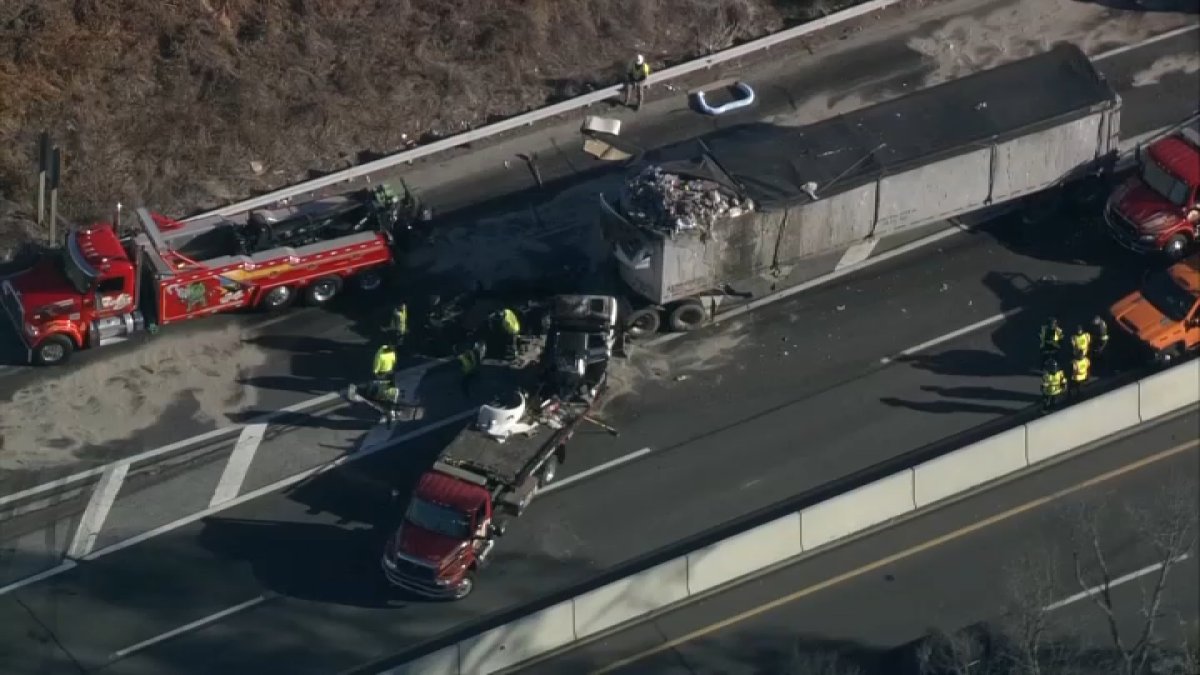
(103,287)
(494,468)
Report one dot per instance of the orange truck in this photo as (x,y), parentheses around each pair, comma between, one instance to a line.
(1164,315)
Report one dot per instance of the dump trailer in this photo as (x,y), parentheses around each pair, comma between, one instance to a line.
(102,287)
(726,215)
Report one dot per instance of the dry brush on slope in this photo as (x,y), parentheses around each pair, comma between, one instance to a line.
(183,105)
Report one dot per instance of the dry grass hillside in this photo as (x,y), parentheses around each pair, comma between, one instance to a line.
(170,103)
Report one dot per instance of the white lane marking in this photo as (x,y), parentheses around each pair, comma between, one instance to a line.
(187,442)
(911,246)
(104,495)
(362,453)
(198,623)
(1144,43)
(238,463)
(599,468)
(949,336)
(1113,584)
(857,253)
(64,566)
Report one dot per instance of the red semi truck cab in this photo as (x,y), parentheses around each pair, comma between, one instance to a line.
(1158,209)
(102,288)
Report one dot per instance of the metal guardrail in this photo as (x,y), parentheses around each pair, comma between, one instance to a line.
(527,119)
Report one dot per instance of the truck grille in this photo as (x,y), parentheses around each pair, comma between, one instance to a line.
(409,574)
(1124,231)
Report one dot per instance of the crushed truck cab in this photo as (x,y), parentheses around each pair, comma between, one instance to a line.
(1164,315)
(492,469)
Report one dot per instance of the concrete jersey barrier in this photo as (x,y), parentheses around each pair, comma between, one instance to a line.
(815,528)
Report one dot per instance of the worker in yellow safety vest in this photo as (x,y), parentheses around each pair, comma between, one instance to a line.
(383,387)
(635,82)
(470,360)
(1081,342)
(1080,368)
(1051,338)
(1054,381)
(399,323)
(509,326)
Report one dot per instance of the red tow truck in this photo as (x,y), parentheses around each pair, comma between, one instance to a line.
(101,288)
(493,469)
(1159,208)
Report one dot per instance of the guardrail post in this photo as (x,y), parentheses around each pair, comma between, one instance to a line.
(104,494)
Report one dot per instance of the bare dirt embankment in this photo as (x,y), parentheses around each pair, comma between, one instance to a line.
(187,105)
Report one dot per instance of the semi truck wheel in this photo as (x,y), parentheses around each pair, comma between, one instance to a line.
(687,315)
(464,589)
(321,291)
(642,322)
(1176,247)
(54,350)
(369,281)
(278,298)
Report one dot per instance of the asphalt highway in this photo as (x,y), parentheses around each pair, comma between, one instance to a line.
(738,417)
(230,369)
(872,600)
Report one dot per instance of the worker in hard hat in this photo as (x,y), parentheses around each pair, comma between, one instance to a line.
(1054,382)
(1081,367)
(383,384)
(398,326)
(470,360)
(508,325)
(635,82)
(1081,342)
(1051,337)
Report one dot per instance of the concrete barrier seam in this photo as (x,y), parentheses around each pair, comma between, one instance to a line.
(1029,468)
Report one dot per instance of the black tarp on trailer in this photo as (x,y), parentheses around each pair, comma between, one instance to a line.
(771,164)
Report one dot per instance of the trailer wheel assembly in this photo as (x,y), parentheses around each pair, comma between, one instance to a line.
(687,315)
(369,281)
(53,351)
(549,471)
(642,322)
(321,291)
(277,298)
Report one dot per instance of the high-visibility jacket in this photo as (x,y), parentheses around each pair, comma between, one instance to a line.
(385,362)
(1080,368)
(512,325)
(639,72)
(1080,342)
(469,360)
(1051,337)
(1053,383)
(400,320)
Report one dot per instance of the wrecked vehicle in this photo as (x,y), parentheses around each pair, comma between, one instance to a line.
(727,215)
(494,468)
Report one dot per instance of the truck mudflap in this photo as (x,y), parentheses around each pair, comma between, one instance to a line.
(13,311)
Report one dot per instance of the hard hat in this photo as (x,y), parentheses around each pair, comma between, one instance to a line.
(1079,328)
(640,59)
(1096,320)
(1053,321)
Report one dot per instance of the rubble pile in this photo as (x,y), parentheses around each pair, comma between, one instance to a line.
(672,203)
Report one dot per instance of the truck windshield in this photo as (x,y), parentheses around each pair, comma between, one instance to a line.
(80,280)
(1164,183)
(1167,296)
(440,519)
